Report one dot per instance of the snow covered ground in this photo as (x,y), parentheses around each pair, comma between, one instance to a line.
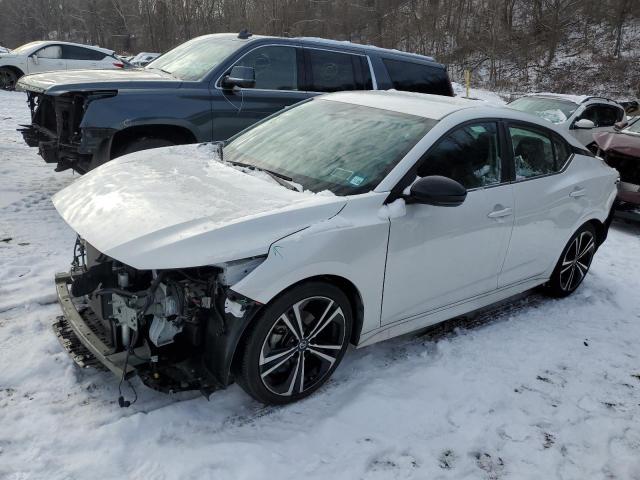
(541,389)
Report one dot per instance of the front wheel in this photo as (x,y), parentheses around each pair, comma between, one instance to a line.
(297,344)
(574,262)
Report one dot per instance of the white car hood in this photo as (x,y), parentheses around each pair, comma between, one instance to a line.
(177,207)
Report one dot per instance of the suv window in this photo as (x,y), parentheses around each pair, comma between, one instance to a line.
(417,77)
(470,155)
(536,153)
(603,115)
(52,51)
(70,52)
(335,71)
(276,67)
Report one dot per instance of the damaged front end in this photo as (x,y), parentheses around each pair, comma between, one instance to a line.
(176,329)
(56,128)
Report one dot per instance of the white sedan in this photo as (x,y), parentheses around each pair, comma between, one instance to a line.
(349,218)
(47,56)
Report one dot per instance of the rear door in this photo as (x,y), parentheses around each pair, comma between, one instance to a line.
(80,58)
(548,202)
(279,83)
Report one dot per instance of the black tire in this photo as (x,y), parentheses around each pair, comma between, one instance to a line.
(8,79)
(142,143)
(279,365)
(574,263)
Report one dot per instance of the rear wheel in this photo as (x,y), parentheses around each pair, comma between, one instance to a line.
(297,344)
(8,79)
(574,262)
(143,143)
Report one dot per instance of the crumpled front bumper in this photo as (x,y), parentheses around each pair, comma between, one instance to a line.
(78,334)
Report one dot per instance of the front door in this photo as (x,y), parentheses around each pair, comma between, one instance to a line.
(278,70)
(47,59)
(603,117)
(438,256)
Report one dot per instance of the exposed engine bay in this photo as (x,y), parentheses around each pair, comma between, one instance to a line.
(176,329)
(56,128)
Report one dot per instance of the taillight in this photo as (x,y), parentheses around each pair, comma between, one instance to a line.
(118,64)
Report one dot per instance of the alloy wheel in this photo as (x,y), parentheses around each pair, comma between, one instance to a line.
(302,346)
(576,261)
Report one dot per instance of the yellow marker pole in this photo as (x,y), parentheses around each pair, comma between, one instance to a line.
(467,80)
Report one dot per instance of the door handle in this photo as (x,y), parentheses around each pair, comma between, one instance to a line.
(505,212)
(578,192)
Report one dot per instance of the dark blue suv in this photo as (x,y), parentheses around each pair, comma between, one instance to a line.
(208,88)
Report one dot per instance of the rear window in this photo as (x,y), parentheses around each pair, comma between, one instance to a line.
(417,77)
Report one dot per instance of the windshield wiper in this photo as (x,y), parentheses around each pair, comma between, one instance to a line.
(277,176)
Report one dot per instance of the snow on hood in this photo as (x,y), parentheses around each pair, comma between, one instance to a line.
(179,207)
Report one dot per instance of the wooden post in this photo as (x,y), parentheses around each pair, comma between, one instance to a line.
(467,80)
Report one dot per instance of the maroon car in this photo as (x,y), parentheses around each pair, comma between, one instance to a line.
(621,150)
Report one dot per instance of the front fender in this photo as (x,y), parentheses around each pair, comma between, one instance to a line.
(185,108)
(351,245)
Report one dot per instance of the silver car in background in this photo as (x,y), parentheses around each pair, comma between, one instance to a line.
(581,116)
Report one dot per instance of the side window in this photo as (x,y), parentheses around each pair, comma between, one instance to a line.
(416,77)
(469,155)
(608,116)
(70,52)
(334,71)
(52,51)
(603,115)
(276,67)
(533,153)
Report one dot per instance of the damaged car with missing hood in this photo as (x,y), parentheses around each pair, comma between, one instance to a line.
(621,150)
(348,219)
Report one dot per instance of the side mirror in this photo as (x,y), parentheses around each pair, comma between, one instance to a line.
(438,191)
(585,124)
(242,77)
(620,125)
(34,57)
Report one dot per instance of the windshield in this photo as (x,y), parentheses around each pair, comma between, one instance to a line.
(27,46)
(194,59)
(551,109)
(329,145)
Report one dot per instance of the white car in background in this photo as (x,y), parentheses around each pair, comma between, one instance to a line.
(350,218)
(581,116)
(143,59)
(47,56)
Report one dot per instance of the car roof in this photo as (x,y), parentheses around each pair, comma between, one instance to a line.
(338,44)
(424,105)
(367,48)
(41,43)
(578,99)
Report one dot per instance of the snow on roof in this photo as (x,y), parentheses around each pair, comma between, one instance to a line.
(421,104)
